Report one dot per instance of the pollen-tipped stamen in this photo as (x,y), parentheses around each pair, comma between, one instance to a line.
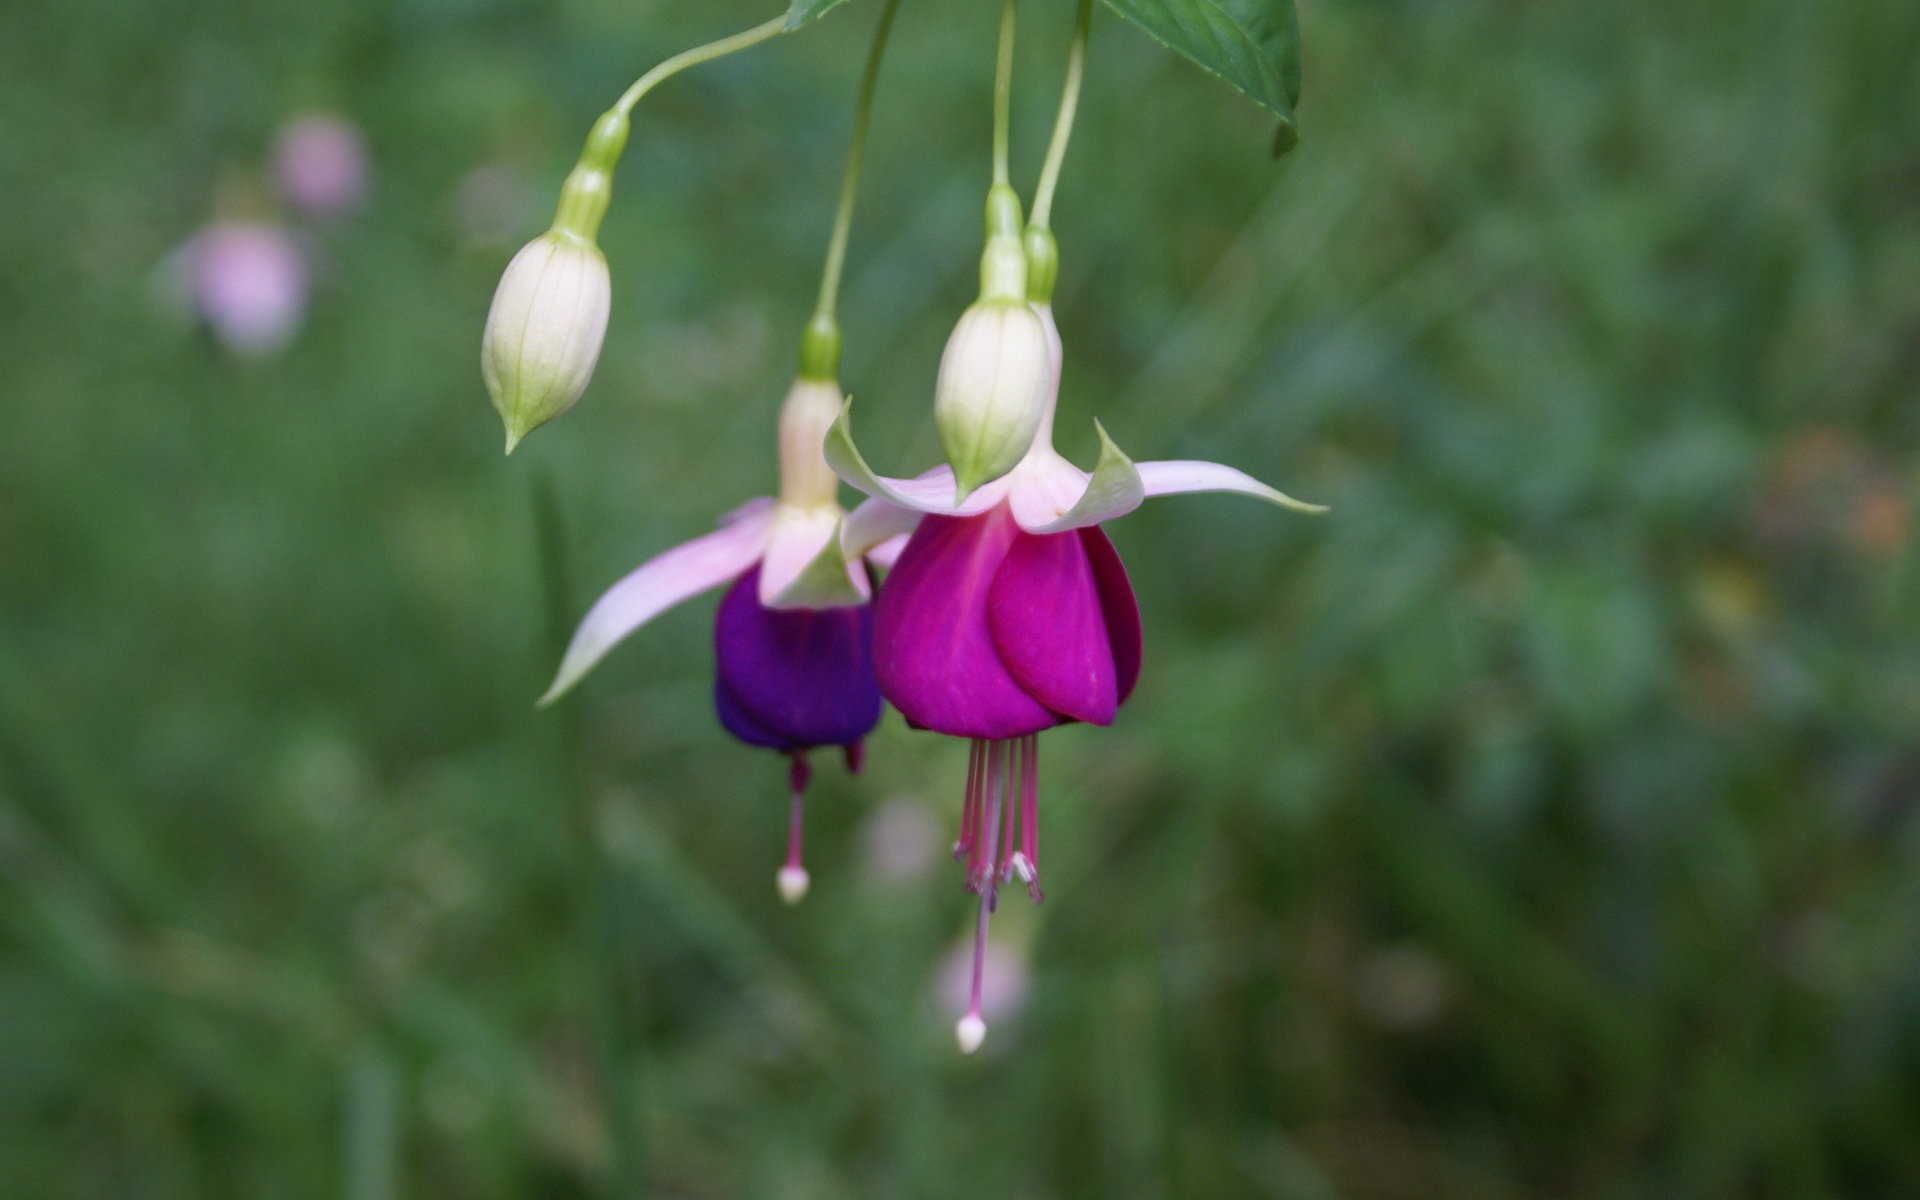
(972,1029)
(1026,862)
(1009,791)
(792,878)
(983,859)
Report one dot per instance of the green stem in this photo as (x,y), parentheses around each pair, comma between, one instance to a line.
(602,947)
(1063,124)
(820,344)
(694,57)
(589,186)
(1003,93)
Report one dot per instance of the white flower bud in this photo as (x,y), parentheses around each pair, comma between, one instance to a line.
(544,331)
(996,379)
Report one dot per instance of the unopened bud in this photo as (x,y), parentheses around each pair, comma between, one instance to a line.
(995,380)
(544,331)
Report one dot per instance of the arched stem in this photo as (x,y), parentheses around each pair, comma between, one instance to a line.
(694,57)
(850,179)
(1003,93)
(1063,123)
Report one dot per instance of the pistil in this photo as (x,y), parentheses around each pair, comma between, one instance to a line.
(792,879)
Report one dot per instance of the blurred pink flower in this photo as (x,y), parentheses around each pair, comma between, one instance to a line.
(320,161)
(248,281)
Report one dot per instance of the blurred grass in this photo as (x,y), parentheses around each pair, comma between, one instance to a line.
(1539,824)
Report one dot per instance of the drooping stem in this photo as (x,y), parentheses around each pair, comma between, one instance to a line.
(1003,94)
(602,945)
(589,187)
(791,879)
(694,57)
(850,178)
(1063,123)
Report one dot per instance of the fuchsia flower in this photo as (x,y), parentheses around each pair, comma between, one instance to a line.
(320,164)
(1008,613)
(793,635)
(248,281)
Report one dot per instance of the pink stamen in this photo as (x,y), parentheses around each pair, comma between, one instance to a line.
(856,756)
(792,878)
(1030,817)
(972,1029)
(1008,798)
(980,863)
(970,811)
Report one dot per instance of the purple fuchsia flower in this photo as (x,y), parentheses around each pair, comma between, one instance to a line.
(1007,613)
(793,634)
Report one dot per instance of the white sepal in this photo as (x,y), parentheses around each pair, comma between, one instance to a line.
(928,493)
(1174,477)
(804,565)
(657,585)
(1113,490)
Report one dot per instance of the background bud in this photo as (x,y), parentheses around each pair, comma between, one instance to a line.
(544,331)
(992,393)
(320,164)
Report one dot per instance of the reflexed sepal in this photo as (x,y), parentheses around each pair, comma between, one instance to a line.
(826,581)
(1174,477)
(931,493)
(657,585)
(873,523)
(1114,490)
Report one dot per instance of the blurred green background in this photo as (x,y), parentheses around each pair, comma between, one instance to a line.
(1541,823)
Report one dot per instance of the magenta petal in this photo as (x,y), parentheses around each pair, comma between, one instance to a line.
(1118,606)
(792,678)
(1047,622)
(932,647)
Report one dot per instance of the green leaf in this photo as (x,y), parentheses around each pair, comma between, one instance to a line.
(1251,45)
(806,12)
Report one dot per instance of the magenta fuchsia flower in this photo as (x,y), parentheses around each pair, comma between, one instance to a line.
(793,667)
(1007,613)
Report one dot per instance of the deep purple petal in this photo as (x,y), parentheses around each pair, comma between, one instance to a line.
(1046,618)
(1117,605)
(741,723)
(793,677)
(932,647)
